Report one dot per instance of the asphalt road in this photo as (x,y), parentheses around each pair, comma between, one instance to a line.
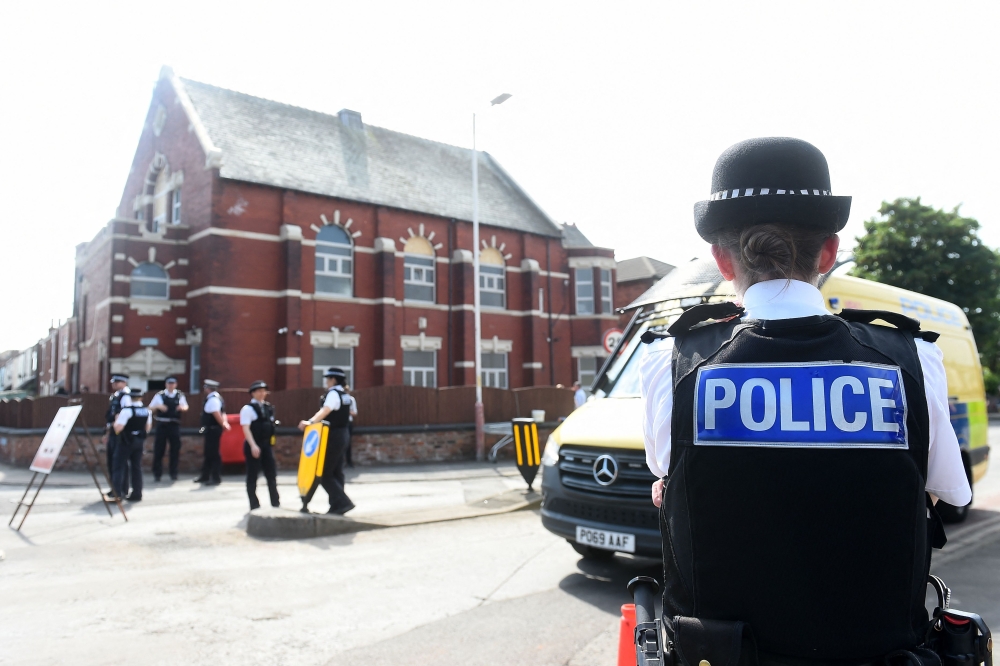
(182,583)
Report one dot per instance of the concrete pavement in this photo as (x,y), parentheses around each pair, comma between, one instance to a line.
(182,582)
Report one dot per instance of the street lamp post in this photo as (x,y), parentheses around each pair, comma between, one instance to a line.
(479,413)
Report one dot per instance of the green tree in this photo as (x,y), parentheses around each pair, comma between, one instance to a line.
(936,253)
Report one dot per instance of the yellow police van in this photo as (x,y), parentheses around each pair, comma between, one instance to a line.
(595,482)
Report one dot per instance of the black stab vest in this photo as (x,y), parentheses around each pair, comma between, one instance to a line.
(171,415)
(114,406)
(341,417)
(262,428)
(823,551)
(208,418)
(135,428)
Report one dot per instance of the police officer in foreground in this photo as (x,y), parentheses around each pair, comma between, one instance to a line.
(167,407)
(257,420)
(801,452)
(120,397)
(335,409)
(213,422)
(132,425)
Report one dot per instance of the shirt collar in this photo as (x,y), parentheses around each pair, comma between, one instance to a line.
(783,299)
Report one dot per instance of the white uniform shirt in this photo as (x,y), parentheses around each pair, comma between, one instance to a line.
(334,400)
(126,399)
(158,399)
(579,397)
(126,414)
(354,406)
(247,414)
(781,299)
(213,403)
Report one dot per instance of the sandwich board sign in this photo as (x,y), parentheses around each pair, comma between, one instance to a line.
(52,444)
(311,460)
(48,454)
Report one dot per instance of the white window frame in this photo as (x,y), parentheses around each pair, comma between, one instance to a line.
(607,303)
(348,368)
(420,375)
(337,262)
(592,374)
(416,273)
(195,369)
(165,281)
(496,377)
(492,281)
(175,206)
(584,303)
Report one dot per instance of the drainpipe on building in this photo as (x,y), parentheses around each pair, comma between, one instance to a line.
(548,278)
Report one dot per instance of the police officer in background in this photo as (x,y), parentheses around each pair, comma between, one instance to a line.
(120,397)
(132,425)
(335,409)
(167,407)
(801,452)
(213,422)
(257,420)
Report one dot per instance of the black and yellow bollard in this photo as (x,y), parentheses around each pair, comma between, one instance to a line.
(528,452)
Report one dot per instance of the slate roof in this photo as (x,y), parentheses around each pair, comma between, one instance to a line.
(573,237)
(641,268)
(286,146)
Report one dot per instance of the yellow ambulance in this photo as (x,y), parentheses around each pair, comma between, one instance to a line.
(595,482)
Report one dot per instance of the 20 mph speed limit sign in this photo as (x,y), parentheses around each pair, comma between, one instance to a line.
(611,338)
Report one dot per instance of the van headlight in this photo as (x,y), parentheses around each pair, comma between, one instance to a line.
(551,454)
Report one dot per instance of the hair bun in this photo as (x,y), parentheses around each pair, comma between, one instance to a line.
(768,249)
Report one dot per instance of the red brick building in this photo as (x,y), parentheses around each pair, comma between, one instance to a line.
(257,240)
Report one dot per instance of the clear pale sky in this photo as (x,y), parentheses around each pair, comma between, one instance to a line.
(618,114)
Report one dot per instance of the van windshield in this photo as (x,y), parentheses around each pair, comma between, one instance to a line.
(622,378)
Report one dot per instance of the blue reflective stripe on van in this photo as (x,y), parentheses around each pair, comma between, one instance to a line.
(811,405)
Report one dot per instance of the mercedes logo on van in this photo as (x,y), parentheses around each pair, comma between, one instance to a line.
(605,470)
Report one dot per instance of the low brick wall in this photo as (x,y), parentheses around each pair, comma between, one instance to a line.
(371,446)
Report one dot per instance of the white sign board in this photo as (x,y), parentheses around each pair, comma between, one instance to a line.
(52,443)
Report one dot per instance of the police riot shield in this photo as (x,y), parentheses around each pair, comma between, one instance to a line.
(526,447)
(311,460)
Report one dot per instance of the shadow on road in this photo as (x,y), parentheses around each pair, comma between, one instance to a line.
(602,583)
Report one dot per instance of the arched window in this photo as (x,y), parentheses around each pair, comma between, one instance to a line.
(418,270)
(334,265)
(150,281)
(492,279)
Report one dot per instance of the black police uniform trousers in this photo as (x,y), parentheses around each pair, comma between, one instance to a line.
(166,431)
(109,454)
(128,453)
(211,468)
(255,466)
(333,468)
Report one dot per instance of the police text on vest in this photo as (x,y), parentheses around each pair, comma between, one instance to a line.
(822,405)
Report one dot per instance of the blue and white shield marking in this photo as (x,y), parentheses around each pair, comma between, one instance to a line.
(801,405)
(311,444)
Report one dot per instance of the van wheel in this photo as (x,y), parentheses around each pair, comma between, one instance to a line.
(955,514)
(591,553)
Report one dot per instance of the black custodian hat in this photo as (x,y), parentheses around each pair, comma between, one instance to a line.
(771,180)
(259,384)
(118,377)
(335,372)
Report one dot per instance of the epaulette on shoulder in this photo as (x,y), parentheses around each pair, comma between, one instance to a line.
(900,321)
(705,315)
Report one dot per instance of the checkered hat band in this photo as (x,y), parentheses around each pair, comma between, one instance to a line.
(762,191)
